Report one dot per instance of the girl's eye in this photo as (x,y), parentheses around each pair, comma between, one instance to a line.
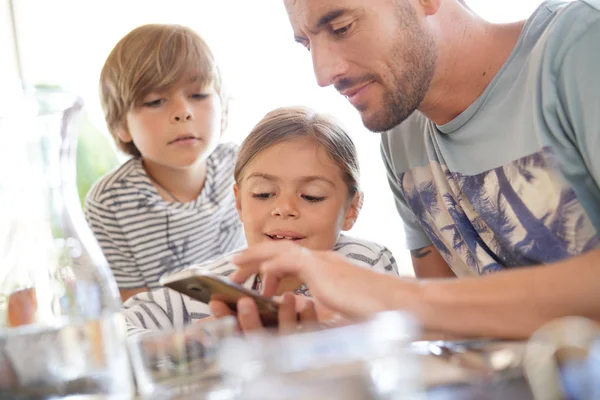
(154,103)
(262,196)
(313,199)
(200,96)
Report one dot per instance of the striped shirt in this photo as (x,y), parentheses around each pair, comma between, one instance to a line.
(166,309)
(143,236)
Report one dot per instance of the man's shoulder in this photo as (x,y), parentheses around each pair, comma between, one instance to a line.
(405,146)
(564,23)
(113,183)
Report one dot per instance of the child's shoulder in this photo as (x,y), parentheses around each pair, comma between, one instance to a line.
(225,153)
(349,243)
(362,250)
(110,184)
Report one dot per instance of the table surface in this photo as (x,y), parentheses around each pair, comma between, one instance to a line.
(514,389)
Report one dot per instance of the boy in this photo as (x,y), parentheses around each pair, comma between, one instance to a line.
(171,204)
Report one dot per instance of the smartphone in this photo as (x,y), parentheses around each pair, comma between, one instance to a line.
(205,286)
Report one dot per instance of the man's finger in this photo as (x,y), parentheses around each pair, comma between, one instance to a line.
(249,261)
(248,316)
(288,320)
(308,314)
(242,274)
(277,268)
(255,255)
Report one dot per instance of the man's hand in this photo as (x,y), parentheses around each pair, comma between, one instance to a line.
(334,282)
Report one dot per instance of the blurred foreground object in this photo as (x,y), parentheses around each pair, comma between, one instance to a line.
(61,331)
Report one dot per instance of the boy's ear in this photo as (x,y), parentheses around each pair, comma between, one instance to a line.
(124,136)
(238,198)
(353,211)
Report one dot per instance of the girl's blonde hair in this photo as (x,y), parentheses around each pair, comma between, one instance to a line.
(150,58)
(291,123)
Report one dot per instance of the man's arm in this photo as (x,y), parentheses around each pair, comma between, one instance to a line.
(509,304)
(428,263)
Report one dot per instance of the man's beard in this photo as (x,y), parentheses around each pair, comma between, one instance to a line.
(410,85)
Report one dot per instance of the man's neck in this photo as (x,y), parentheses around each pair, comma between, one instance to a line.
(470,56)
(177,184)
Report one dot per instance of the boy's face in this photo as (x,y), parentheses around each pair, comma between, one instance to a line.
(294,191)
(177,128)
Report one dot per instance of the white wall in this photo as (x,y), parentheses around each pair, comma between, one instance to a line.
(10,84)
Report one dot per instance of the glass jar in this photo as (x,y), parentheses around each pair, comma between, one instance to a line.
(61,330)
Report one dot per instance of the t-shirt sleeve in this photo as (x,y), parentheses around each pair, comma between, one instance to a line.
(161,309)
(108,233)
(386,263)
(415,236)
(578,85)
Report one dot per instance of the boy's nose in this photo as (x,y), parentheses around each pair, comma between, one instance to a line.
(182,109)
(183,115)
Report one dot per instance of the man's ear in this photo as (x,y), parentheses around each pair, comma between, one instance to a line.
(430,7)
(238,198)
(353,211)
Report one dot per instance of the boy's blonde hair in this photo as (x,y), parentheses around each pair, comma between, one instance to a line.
(291,123)
(151,58)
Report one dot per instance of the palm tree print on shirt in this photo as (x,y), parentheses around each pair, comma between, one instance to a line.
(522,213)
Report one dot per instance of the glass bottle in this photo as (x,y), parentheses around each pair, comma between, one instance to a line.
(61,330)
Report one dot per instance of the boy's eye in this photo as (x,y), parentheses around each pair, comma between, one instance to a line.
(154,103)
(200,96)
(262,196)
(313,199)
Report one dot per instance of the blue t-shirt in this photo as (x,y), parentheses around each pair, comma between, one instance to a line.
(515,179)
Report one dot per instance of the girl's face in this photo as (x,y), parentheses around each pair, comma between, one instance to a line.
(294,191)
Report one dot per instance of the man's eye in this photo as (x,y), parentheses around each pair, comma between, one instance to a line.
(262,196)
(343,30)
(304,42)
(154,103)
(313,199)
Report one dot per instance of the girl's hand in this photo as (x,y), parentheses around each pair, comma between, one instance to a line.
(295,313)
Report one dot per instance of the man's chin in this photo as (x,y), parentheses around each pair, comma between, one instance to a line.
(380,122)
(375,123)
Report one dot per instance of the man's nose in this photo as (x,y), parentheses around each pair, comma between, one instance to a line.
(328,63)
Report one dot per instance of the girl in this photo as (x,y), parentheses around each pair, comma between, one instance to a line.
(296,179)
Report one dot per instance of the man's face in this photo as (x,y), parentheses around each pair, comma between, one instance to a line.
(375,52)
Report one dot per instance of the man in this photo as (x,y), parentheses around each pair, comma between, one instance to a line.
(490,135)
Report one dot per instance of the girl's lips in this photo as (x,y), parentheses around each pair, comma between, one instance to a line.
(186,141)
(284,236)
